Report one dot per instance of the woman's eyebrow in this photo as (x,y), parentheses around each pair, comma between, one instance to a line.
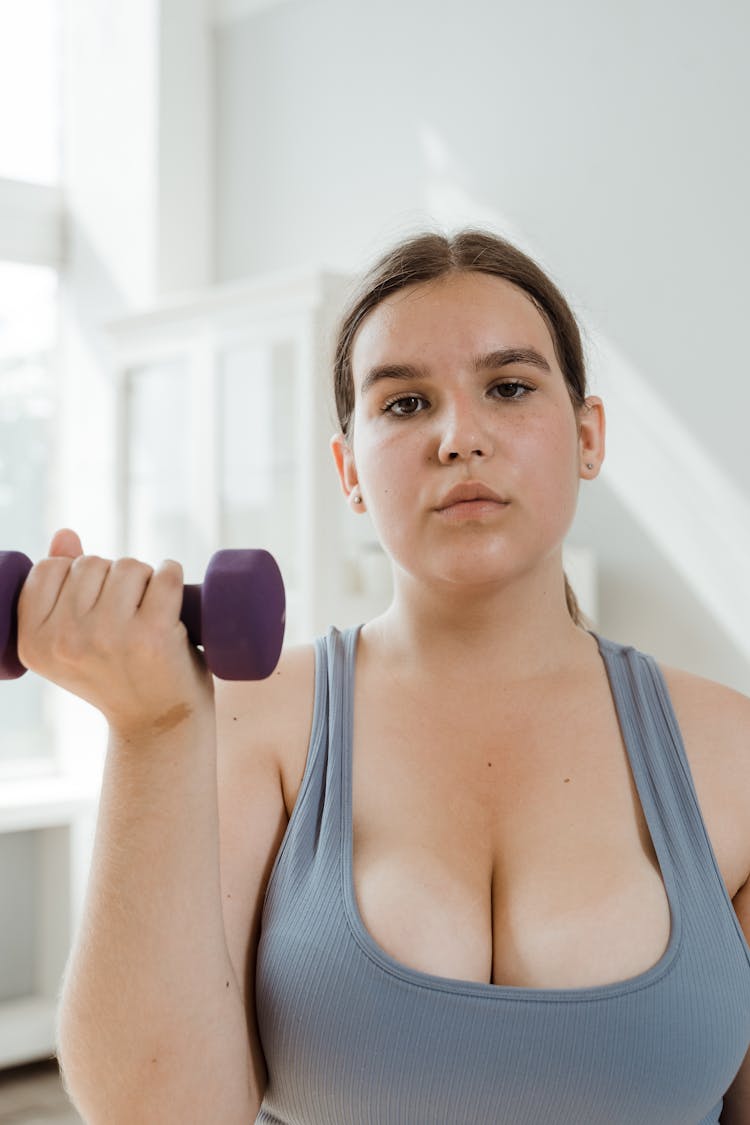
(501,357)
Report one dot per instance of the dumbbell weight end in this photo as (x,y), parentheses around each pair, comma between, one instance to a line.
(14,566)
(238,614)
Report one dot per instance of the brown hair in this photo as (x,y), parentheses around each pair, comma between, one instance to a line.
(429,256)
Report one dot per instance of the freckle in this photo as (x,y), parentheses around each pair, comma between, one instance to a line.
(234,718)
(227,984)
(566,779)
(489,763)
(229,896)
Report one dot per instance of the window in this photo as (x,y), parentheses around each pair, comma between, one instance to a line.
(30,129)
(28,329)
(259,420)
(30,56)
(157,498)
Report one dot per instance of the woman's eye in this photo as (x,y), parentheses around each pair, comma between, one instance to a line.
(405,406)
(388,407)
(513,387)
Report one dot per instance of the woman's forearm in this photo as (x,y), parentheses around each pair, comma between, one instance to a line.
(152,1025)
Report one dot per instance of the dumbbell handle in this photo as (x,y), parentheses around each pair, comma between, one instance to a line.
(237,613)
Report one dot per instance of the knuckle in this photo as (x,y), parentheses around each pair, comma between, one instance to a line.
(171,572)
(47,572)
(38,593)
(88,562)
(50,565)
(87,565)
(129,565)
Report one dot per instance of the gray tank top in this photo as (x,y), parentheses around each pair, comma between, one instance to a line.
(353,1037)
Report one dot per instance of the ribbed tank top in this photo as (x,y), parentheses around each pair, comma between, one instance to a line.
(353,1037)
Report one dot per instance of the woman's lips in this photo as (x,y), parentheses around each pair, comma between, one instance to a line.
(469,490)
(472,509)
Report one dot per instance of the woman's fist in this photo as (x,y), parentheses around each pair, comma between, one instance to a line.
(110,632)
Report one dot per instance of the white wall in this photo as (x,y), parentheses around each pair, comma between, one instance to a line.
(607,136)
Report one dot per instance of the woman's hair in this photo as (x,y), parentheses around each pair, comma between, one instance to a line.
(429,256)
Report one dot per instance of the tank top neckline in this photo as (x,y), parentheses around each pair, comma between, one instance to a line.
(608,651)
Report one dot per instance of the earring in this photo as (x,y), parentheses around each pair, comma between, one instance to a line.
(356,498)
(589,465)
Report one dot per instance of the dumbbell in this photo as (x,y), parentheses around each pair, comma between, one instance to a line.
(237,614)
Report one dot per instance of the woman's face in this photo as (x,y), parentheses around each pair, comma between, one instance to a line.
(460,405)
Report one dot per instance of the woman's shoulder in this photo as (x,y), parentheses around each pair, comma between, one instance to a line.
(274,717)
(713,707)
(277,708)
(714,726)
(702,702)
(714,722)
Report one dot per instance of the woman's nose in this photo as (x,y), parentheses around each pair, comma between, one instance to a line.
(463,435)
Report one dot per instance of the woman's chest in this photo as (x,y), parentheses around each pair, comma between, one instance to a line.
(506,841)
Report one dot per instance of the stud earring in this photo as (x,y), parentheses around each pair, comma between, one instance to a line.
(356,498)
(589,465)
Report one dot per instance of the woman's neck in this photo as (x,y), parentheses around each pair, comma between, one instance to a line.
(524,628)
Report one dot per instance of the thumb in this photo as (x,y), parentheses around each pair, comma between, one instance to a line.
(65,544)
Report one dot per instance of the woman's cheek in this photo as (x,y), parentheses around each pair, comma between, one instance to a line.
(385,464)
(381,478)
(543,474)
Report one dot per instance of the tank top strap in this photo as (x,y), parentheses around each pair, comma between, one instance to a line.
(650,730)
(661,769)
(329,737)
(350,1034)
(312,842)
(324,767)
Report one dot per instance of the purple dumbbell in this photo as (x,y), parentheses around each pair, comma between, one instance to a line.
(237,615)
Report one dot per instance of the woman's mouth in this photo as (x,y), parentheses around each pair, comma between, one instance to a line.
(472,509)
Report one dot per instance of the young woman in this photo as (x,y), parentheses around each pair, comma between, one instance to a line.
(467,862)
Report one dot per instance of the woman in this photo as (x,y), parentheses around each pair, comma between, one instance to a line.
(468,862)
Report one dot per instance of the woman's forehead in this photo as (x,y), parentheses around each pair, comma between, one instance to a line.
(460,311)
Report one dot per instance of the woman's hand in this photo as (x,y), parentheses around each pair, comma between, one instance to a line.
(110,632)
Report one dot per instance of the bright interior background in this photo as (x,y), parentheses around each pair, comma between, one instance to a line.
(605,138)
(151,148)
(30,85)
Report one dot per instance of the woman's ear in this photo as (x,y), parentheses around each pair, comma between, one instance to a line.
(592,429)
(347,470)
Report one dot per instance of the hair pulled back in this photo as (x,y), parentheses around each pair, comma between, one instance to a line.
(429,256)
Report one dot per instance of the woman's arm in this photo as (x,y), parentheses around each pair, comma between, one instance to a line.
(151,1025)
(736,1109)
(718,717)
(152,1021)
(737,1099)
(258,725)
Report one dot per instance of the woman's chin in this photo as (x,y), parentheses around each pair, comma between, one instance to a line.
(471,576)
